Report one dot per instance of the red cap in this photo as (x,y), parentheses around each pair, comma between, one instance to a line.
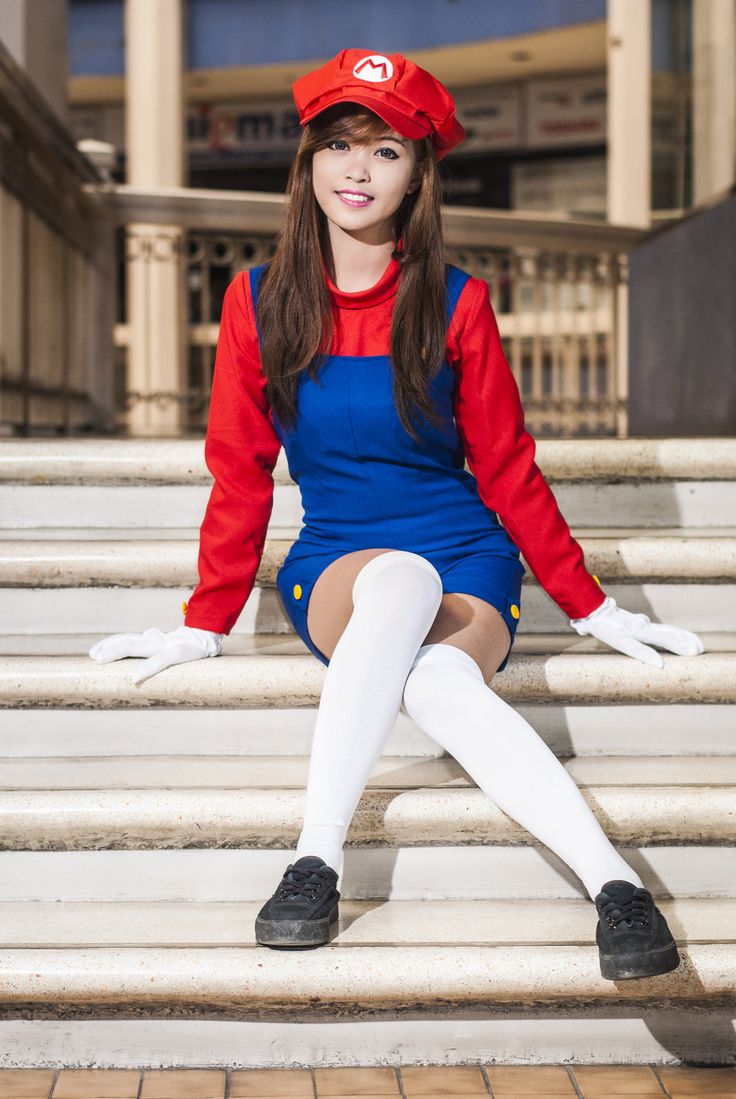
(408,98)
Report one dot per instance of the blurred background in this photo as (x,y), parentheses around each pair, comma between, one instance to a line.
(144,153)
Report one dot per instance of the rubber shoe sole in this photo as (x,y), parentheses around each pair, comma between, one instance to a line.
(649,963)
(296,932)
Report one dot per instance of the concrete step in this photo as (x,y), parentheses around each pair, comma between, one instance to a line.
(289,644)
(646,504)
(350,979)
(470,871)
(44,925)
(289,533)
(581,730)
(181,461)
(261,772)
(702,607)
(173,564)
(77,803)
(654,813)
(295,681)
(593,1034)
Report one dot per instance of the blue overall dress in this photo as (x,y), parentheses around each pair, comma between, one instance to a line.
(365,483)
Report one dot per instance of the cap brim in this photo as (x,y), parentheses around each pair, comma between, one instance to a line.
(403,125)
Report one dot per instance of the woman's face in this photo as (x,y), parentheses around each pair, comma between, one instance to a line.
(384,170)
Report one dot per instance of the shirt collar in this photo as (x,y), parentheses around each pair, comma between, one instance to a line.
(360,299)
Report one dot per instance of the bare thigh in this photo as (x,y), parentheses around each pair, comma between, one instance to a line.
(462,620)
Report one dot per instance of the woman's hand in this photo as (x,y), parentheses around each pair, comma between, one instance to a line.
(625,631)
(163,649)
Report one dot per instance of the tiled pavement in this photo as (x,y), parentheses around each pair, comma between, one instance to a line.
(503,1082)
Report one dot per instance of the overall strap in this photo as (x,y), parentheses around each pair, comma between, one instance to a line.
(455,279)
(255,275)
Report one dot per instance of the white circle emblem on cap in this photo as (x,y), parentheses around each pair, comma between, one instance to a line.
(375,68)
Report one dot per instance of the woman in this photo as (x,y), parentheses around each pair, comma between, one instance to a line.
(379,368)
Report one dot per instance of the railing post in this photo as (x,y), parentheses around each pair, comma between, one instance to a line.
(621,346)
(99,378)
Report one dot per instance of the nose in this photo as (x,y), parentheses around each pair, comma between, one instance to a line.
(358,169)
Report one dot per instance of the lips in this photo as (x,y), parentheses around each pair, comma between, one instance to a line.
(350,198)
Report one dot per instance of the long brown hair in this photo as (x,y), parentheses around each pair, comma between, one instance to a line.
(294,304)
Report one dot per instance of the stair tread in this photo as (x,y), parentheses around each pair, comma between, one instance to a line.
(64,542)
(260,818)
(274,677)
(356,977)
(268,644)
(172,563)
(290,533)
(426,923)
(181,461)
(257,772)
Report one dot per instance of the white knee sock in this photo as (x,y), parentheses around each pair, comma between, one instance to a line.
(396,596)
(445,694)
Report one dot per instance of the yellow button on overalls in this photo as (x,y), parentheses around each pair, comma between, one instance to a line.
(515,612)
(297,589)
(184,608)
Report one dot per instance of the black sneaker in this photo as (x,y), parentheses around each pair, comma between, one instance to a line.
(632,934)
(302,908)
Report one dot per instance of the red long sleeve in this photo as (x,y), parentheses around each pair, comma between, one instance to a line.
(241,450)
(500,453)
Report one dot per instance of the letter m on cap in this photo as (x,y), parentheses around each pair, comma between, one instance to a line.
(375,68)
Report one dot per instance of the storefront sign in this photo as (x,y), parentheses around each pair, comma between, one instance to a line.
(492,118)
(242,131)
(569,111)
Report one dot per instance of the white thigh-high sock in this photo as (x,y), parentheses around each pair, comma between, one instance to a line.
(396,596)
(447,697)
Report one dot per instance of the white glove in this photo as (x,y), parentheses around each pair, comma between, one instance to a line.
(164,649)
(625,631)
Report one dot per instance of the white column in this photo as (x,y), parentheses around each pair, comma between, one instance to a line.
(154,122)
(629,112)
(629,160)
(714,96)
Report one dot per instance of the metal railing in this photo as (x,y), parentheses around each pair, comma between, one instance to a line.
(558,286)
(56,273)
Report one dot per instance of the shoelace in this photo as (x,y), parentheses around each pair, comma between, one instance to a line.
(298,883)
(632,912)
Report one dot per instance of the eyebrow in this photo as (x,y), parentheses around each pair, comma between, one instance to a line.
(376,140)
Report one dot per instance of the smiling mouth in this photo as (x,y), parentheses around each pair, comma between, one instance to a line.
(351,198)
